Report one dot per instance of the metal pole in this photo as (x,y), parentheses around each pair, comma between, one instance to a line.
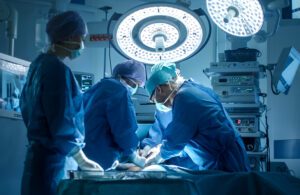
(105,9)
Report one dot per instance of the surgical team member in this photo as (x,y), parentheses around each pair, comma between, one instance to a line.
(156,134)
(199,120)
(110,120)
(52,109)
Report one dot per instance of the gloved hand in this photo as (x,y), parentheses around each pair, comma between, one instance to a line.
(153,156)
(138,160)
(144,152)
(86,164)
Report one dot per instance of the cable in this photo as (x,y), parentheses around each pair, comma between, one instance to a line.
(115,16)
(274,91)
(109,57)
(109,45)
(267,141)
(104,66)
(105,9)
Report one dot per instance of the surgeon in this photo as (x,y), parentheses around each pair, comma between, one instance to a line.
(199,120)
(52,109)
(110,119)
(156,134)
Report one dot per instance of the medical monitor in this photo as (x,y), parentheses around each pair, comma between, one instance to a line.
(285,70)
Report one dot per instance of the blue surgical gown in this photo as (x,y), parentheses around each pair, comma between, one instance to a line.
(200,120)
(110,122)
(52,110)
(156,135)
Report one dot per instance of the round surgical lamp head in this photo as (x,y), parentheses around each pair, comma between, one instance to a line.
(240,18)
(158,32)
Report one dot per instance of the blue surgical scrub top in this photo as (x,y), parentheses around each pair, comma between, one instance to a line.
(157,134)
(110,122)
(52,109)
(52,106)
(200,120)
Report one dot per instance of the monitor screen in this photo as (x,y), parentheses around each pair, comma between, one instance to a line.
(292,11)
(286,69)
(85,80)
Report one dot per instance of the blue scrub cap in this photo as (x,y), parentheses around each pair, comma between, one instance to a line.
(131,69)
(65,25)
(161,73)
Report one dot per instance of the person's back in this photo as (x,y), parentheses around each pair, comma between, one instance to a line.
(110,119)
(199,122)
(106,137)
(43,70)
(215,142)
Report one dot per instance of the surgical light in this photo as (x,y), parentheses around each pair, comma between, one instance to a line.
(156,32)
(240,18)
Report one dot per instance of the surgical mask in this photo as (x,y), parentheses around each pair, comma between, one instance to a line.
(161,107)
(132,90)
(74,53)
(166,98)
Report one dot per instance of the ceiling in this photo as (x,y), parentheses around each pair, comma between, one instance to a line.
(120,6)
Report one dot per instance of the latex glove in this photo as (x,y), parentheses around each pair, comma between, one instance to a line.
(153,156)
(144,151)
(138,160)
(86,164)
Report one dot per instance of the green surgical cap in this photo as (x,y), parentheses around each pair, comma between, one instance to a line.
(161,73)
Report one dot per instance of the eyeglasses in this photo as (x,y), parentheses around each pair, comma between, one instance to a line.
(131,82)
(163,101)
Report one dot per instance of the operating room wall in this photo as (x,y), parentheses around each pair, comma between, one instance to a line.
(284,109)
(29,12)
(194,66)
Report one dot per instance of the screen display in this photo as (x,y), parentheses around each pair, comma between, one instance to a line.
(292,11)
(85,80)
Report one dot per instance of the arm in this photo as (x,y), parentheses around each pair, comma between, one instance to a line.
(183,126)
(57,104)
(155,134)
(122,120)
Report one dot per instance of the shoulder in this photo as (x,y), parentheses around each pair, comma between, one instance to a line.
(107,88)
(191,92)
(51,65)
(114,84)
(111,86)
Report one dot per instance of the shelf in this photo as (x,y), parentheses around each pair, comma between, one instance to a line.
(262,154)
(256,108)
(258,134)
(216,71)
(10,114)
